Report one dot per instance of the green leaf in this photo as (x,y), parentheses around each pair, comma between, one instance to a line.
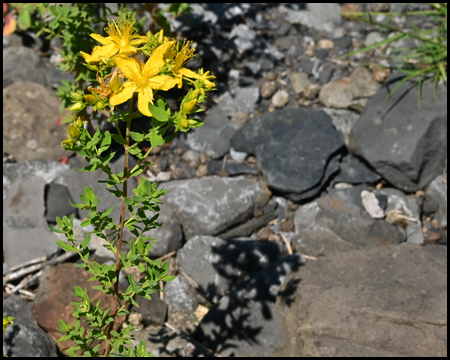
(156,139)
(55,230)
(79,206)
(65,246)
(144,187)
(108,211)
(136,136)
(168,278)
(158,113)
(78,291)
(84,244)
(106,143)
(119,139)
(86,222)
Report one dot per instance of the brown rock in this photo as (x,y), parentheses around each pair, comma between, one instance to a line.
(30,129)
(55,293)
(268,89)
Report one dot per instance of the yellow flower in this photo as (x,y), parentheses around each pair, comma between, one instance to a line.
(182,56)
(121,40)
(143,78)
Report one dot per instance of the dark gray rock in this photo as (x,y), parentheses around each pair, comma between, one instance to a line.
(437,192)
(297,150)
(243,322)
(168,237)
(211,205)
(354,171)
(252,225)
(57,202)
(23,64)
(154,311)
(214,166)
(405,144)
(24,338)
(234,169)
(219,266)
(333,224)
(214,136)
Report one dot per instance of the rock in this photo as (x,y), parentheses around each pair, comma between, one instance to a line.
(252,225)
(243,322)
(214,136)
(219,266)
(30,115)
(234,169)
(24,338)
(242,37)
(243,99)
(25,232)
(169,237)
(280,98)
(354,171)
(154,311)
(313,16)
(268,88)
(405,206)
(166,342)
(352,92)
(238,156)
(371,205)
(343,121)
(211,205)
(57,204)
(55,293)
(299,82)
(331,224)
(437,191)
(240,118)
(23,64)
(297,150)
(350,328)
(403,143)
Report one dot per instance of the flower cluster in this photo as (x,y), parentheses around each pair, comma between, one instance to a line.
(146,64)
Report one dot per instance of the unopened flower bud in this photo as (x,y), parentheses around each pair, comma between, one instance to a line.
(74,132)
(76,97)
(114,84)
(190,101)
(91,99)
(77,106)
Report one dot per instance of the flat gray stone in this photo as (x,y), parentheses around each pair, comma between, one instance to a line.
(211,205)
(25,232)
(219,266)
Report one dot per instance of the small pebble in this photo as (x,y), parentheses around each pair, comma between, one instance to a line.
(268,89)
(280,99)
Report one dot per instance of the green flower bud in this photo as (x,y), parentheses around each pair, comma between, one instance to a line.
(77,106)
(76,97)
(91,99)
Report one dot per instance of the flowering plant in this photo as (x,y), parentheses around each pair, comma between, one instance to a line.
(129,67)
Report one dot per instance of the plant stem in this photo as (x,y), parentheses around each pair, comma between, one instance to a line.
(119,237)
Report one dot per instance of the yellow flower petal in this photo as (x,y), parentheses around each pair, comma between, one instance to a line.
(102,40)
(156,62)
(123,94)
(162,82)
(188,73)
(129,66)
(145,96)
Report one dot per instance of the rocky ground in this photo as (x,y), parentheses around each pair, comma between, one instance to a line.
(307,217)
